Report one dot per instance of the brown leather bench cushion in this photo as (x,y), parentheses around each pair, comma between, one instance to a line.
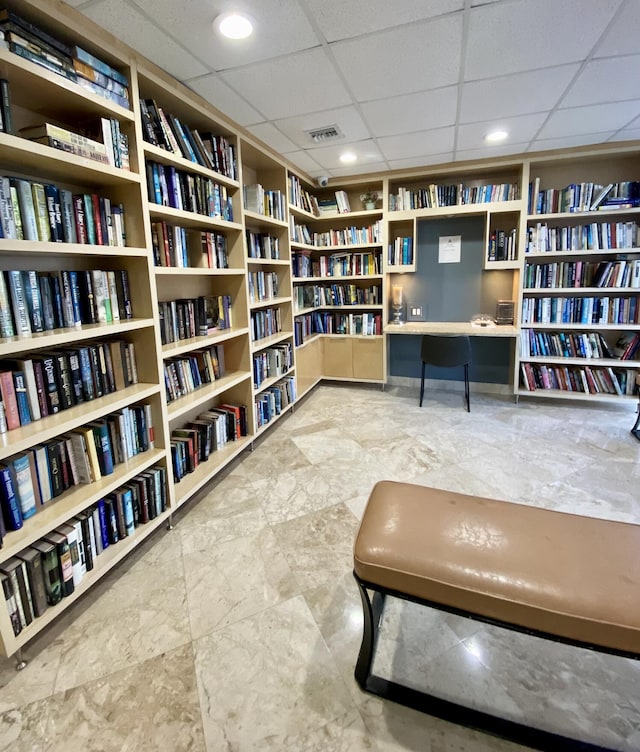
(567,575)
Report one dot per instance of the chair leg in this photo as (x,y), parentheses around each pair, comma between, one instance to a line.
(466,386)
(422,384)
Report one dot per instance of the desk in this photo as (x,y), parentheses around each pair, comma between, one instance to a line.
(486,371)
(452,327)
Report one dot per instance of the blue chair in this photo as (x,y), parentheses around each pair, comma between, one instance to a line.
(446,351)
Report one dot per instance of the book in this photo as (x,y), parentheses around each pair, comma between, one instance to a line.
(78,565)
(50,569)
(5,106)
(19,303)
(11,510)
(22,399)
(23,484)
(65,564)
(12,604)
(6,318)
(9,400)
(43,472)
(13,569)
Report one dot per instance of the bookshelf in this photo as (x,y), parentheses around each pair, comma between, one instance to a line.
(581,280)
(41,96)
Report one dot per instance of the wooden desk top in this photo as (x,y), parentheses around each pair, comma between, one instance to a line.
(451,327)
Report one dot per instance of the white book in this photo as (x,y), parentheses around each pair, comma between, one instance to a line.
(71,534)
(77,524)
(101,294)
(80,457)
(6,320)
(27,210)
(113,295)
(26,366)
(19,302)
(44,476)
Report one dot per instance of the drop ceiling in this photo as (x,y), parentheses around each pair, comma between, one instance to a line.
(407,83)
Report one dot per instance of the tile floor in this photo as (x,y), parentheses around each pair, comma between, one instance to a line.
(238,630)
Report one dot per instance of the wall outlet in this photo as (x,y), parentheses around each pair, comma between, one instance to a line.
(415,312)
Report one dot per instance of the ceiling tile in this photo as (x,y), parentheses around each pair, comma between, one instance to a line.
(629,134)
(417,144)
(286,87)
(519,94)
(610,80)
(431,159)
(544,144)
(347,119)
(491,151)
(516,36)
(412,112)
(622,37)
(225,99)
(338,19)
(281,27)
(521,129)
(345,172)
(272,137)
(430,59)
(329,156)
(598,117)
(305,162)
(136,30)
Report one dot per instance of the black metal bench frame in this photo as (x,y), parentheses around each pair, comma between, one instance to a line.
(446,709)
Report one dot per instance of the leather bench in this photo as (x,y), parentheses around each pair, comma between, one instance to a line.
(556,575)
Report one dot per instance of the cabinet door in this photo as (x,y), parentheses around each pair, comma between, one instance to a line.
(338,357)
(368,360)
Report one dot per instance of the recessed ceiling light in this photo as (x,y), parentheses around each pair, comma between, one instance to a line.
(495,136)
(233,25)
(348,157)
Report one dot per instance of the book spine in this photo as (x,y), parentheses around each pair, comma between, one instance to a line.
(8,496)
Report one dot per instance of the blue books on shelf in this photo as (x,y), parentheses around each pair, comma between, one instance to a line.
(9,499)
(23,483)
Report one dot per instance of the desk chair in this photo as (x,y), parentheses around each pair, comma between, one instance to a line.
(445,351)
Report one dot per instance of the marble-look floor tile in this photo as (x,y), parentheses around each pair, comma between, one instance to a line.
(347,733)
(266,679)
(147,707)
(233,580)
(23,728)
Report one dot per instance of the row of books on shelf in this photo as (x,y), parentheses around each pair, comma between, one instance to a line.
(210,432)
(503,245)
(300,197)
(582,197)
(343,294)
(400,251)
(591,345)
(185,191)
(348,236)
(175,246)
(259,200)
(30,210)
(111,148)
(272,362)
(344,264)
(33,302)
(262,286)
(51,568)
(186,374)
(168,132)
(265,323)
(270,403)
(45,383)
(30,42)
(581,310)
(622,273)
(35,478)
(262,245)
(595,236)
(585,380)
(319,322)
(194,317)
(453,194)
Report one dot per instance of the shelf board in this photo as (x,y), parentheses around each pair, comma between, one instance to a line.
(28,156)
(192,271)
(204,393)
(274,339)
(310,340)
(54,94)
(354,336)
(271,381)
(464,209)
(495,265)
(579,253)
(20,439)
(266,426)
(191,219)
(562,394)
(578,327)
(253,219)
(579,290)
(74,500)
(37,247)
(193,343)
(59,337)
(268,262)
(257,304)
(303,311)
(308,387)
(346,277)
(193,482)
(400,268)
(595,362)
(582,215)
(297,211)
(103,563)
(157,154)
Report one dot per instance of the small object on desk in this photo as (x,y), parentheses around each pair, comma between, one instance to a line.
(505,312)
(482,319)
(396,303)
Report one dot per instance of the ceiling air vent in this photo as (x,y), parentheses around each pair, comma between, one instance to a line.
(327,133)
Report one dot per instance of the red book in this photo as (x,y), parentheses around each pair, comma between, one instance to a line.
(95,202)
(9,400)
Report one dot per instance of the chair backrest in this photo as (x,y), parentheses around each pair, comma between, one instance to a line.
(446,349)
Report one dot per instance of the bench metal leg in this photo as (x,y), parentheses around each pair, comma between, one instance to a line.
(636,426)
(446,709)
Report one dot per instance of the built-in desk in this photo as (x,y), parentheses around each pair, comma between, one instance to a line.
(451,327)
